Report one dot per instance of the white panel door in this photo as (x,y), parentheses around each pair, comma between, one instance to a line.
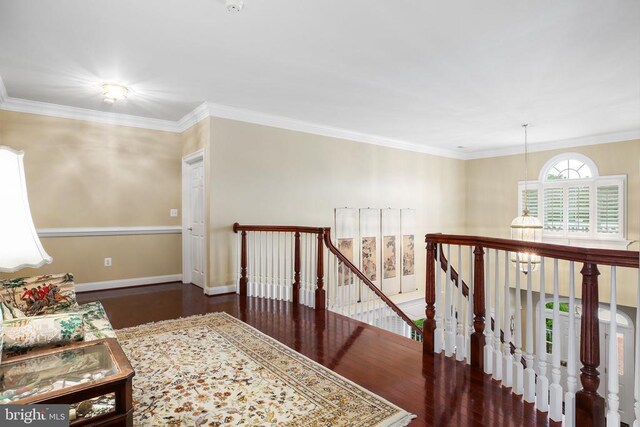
(196,222)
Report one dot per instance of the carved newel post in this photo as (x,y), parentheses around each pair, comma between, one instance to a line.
(429,326)
(590,408)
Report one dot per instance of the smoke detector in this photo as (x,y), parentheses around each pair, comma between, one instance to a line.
(234,6)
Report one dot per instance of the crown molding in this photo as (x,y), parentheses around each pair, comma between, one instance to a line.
(607,138)
(190,119)
(3,91)
(74,113)
(250,116)
(209,109)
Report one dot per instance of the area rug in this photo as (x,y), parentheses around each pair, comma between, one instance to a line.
(215,370)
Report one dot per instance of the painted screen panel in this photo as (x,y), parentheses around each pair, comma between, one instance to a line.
(370,246)
(408,229)
(390,256)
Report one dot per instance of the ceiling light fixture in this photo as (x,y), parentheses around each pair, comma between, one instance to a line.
(525,227)
(114,92)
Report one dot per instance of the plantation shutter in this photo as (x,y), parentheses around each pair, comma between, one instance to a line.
(608,209)
(553,209)
(531,201)
(578,212)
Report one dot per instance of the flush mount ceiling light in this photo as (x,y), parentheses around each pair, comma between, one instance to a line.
(114,92)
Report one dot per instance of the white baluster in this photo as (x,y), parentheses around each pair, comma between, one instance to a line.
(272,282)
(555,390)
(542,385)
(572,382)
(507,358)
(238,251)
(469,328)
(253,266)
(259,264)
(263,258)
(497,347)
(437,338)
(449,331)
(488,332)
(518,369)
(613,401)
(636,392)
(256,250)
(280,267)
(460,351)
(529,372)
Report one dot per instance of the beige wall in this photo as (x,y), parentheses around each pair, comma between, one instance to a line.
(266,175)
(85,174)
(491,202)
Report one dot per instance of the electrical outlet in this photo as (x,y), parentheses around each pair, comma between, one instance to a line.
(107,262)
(173,212)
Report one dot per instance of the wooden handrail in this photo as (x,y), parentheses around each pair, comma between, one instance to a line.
(619,258)
(277,228)
(323,235)
(366,281)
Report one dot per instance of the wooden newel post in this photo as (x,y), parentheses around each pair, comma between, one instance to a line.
(429,326)
(320,292)
(477,337)
(296,270)
(590,408)
(243,265)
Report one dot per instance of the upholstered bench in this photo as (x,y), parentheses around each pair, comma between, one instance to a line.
(42,311)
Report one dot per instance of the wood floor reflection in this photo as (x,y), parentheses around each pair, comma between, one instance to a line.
(440,391)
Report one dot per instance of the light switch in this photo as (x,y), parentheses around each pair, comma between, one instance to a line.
(173,212)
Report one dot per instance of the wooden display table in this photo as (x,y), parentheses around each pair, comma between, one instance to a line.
(93,377)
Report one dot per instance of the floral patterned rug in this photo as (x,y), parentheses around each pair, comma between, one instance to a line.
(215,370)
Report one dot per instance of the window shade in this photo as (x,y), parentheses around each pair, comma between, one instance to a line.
(578,209)
(608,205)
(531,201)
(553,209)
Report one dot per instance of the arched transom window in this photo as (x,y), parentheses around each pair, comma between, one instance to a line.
(568,169)
(575,204)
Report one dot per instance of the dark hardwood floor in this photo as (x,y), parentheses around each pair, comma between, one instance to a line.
(438,390)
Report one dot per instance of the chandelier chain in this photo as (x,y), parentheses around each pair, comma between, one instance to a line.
(525,210)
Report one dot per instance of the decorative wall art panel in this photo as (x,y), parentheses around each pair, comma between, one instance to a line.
(369,258)
(370,247)
(346,234)
(344,274)
(346,239)
(390,226)
(389,256)
(408,254)
(346,223)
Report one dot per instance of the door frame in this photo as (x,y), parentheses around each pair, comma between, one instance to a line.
(187,161)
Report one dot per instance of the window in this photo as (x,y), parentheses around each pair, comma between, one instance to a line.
(575,204)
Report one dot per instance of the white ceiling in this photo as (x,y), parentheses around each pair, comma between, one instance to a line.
(426,72)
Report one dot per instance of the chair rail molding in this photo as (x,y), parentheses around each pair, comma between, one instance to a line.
(108,231)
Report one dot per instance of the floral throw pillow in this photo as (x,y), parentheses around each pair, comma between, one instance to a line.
(22,334)
(33,296)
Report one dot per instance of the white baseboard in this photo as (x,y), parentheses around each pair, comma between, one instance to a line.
(125,283)
(217,290)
